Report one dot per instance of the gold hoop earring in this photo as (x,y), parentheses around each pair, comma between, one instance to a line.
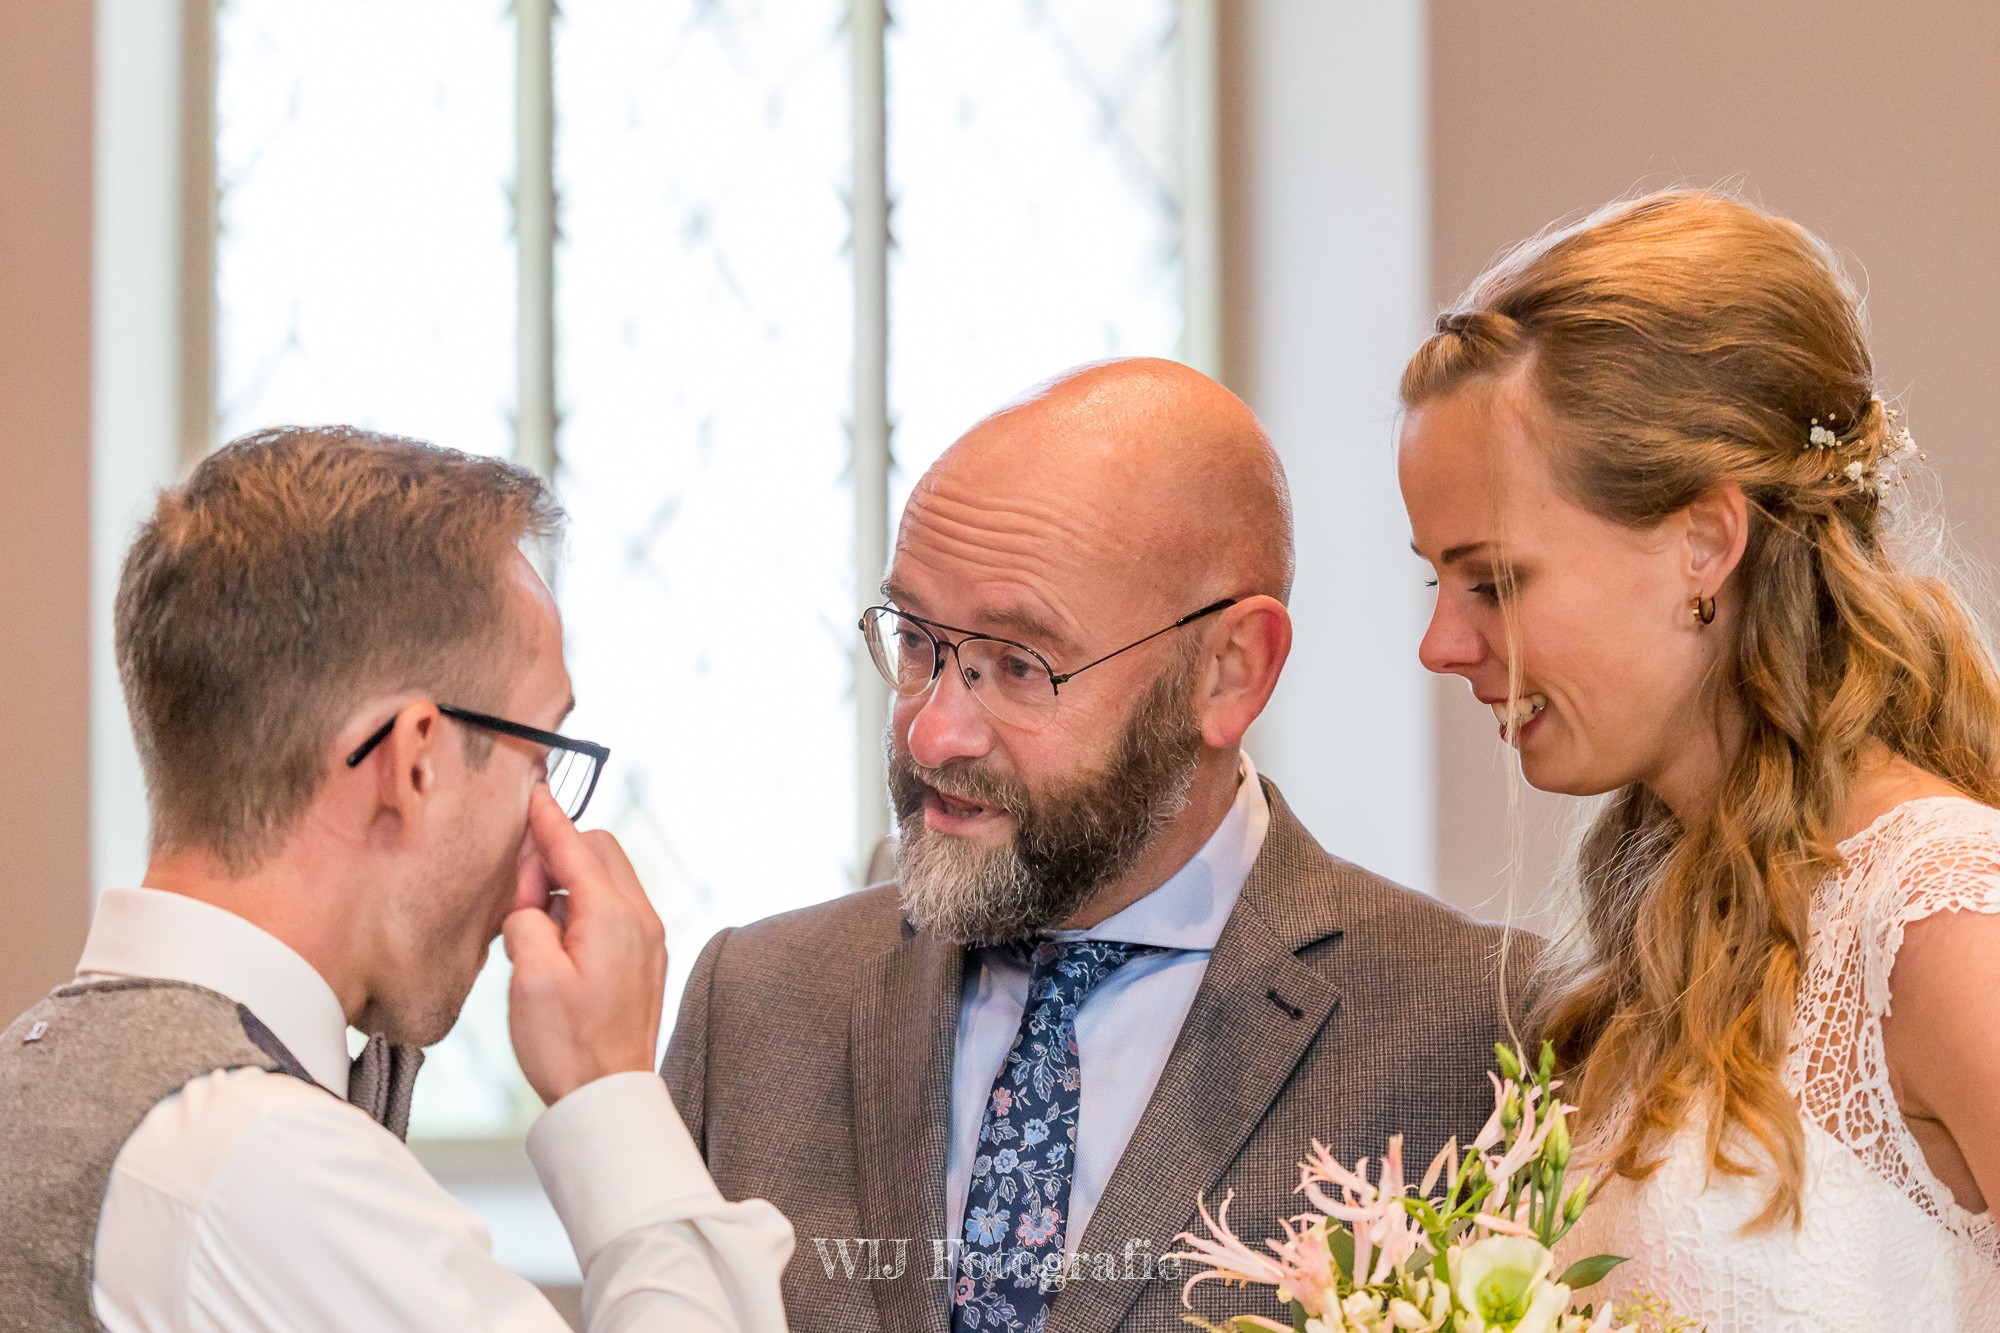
(1703,608)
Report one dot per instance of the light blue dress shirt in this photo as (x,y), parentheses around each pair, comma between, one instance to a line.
(1127,1027)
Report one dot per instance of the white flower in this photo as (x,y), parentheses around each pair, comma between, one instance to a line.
(1502,1285)
(1427,1307)
(1822,438)
(1857,473)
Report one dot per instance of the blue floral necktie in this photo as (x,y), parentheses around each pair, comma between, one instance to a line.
(1016,1211)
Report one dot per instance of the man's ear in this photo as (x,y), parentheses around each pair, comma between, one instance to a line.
(406,770)
(1246,653)
(1718,529)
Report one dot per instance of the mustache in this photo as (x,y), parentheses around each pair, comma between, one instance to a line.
(961,780)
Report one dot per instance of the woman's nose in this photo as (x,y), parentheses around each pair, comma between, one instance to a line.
(1450,646)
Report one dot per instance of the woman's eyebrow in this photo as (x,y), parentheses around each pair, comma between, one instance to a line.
(1453,554)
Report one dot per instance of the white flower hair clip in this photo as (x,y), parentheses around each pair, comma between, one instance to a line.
(1882,468)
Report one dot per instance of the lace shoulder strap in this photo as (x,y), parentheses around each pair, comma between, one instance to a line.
(1940,854)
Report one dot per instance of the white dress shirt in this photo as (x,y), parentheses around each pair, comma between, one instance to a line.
(1126,1027)
(250,1200)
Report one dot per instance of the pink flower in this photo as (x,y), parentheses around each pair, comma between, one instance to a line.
(1038,1225)
(1227,1257)
(1003,1100)
(1385,1235)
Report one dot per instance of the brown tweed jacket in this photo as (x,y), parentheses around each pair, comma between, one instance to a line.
(812,1061)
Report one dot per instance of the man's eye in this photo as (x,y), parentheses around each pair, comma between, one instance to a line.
(1019,666)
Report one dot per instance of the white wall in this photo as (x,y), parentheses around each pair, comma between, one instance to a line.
(1327,287)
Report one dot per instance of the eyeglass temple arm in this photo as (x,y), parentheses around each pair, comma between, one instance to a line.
(1188,619)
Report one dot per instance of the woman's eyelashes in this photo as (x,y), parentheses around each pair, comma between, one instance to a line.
(1488,591)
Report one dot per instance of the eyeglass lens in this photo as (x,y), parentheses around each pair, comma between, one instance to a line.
(570,776)
(1012,684)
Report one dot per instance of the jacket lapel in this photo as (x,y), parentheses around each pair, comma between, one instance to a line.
(1256,1012)
(905,1021)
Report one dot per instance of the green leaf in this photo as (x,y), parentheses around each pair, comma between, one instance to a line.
(1589,1272)
(1197,1321)
(1340,1244)
(1299,1314)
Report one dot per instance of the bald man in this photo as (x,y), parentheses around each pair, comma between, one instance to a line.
(1112,974)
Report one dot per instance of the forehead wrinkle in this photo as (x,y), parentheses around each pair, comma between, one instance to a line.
(1018,516)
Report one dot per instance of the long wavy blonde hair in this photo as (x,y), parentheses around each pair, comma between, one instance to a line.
(1673,343)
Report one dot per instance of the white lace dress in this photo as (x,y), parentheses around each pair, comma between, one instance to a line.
(1883,1244)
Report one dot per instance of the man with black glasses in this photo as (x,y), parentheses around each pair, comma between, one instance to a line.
(1114,974)
(344,678)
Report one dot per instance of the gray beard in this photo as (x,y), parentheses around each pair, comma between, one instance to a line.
(1069,842)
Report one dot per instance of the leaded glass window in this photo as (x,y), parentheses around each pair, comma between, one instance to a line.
(710,356)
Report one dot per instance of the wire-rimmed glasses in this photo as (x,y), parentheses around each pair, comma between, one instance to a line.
(1015,683)
(573,765)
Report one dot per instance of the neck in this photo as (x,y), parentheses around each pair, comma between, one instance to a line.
(1209,798)
(1689,780)
(278,897)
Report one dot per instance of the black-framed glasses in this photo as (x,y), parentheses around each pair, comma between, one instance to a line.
(573,765)
(1014,682)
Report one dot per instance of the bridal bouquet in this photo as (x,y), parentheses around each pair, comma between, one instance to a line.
(1468,1249)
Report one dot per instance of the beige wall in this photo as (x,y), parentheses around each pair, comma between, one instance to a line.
(1876,125)
(45,191)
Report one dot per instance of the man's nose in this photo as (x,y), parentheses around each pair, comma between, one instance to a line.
(947,722)
(1450,646)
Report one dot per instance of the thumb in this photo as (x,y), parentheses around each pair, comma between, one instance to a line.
(532,939)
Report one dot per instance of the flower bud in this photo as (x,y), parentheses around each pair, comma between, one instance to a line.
(1510,1111)
(1579,1198)
(1510,1063)
(1555,1148)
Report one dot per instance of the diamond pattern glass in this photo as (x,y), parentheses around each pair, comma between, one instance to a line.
(1034,168)
(365,268)
(367,273)
(705,353)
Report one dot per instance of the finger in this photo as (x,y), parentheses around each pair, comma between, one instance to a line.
(532,885)
(618,871)
(570,861)
(533,941)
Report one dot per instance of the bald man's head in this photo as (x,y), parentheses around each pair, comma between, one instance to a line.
(1084,619)
(1167,478)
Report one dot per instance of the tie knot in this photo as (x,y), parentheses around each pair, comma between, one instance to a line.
(1067,971)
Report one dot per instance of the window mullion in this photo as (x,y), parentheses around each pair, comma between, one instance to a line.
(870,431)
(535,235)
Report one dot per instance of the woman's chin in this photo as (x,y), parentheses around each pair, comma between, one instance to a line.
(1559,779)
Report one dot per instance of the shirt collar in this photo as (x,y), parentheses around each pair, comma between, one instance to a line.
(1190,909)
(172,937)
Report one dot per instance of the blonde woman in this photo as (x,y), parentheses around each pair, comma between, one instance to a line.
(1647,460)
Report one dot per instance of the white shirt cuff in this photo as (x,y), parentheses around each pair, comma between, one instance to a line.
(613,1156)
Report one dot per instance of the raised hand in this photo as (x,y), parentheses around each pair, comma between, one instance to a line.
(590,969)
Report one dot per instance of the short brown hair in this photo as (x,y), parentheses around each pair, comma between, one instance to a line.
(296,572)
